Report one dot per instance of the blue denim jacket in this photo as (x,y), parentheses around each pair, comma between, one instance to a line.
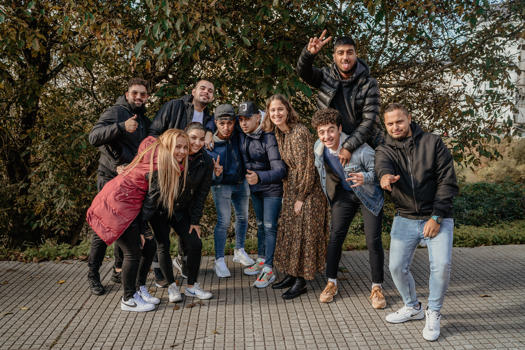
(362,161)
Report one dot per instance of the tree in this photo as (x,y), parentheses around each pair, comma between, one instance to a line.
(62,63)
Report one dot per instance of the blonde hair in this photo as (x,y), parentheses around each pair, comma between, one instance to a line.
(169,170)
(292,117)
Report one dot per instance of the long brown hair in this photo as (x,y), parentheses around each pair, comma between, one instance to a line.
(169,170)
(292,117)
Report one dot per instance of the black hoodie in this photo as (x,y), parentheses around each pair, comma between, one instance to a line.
(116,145)
(427,183)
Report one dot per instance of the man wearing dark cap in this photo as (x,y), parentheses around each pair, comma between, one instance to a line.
(345,85)
(229,187)
(264,173)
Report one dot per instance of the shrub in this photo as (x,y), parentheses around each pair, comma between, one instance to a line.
(482,203)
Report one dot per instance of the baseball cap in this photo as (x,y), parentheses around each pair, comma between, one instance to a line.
(224,111)
(247,109)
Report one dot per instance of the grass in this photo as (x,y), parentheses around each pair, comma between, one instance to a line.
(464,236)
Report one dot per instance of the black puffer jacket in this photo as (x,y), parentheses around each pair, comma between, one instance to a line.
(359,100)
(176,114)
(427,183)
(116,145)
(198,183)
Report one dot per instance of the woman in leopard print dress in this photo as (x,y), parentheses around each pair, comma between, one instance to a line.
(303,226)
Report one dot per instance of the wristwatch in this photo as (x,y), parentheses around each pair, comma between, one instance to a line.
(436,219)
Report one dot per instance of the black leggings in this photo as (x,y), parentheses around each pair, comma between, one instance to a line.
(191,242)
(148,252)
(344,207)
(129,242)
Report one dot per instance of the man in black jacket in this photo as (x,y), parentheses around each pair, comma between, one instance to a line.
(189,108)
(418,169)
(347,86)
(118,134)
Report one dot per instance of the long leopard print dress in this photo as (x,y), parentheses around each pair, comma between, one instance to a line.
(301,239)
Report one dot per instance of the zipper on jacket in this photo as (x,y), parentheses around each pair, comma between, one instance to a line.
(409,155)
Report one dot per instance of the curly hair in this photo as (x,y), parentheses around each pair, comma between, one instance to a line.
(326,116)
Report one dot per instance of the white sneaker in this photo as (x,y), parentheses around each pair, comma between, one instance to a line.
(431,330)
(406,313)
(177,263)
(240,256)
(265,278)
(148,298)
(174,293)
(197,292)
(135,304)
(256,268)
(221,269)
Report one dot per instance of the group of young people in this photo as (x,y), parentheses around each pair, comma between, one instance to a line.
(155,176)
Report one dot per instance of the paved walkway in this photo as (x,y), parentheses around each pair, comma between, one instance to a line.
(48,306)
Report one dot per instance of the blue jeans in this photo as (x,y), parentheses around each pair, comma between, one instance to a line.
(405,236)
(267,210)
(224,196)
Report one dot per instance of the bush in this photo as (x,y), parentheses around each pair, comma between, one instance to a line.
(483,203)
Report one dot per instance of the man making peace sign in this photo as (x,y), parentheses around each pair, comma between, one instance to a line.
(347,86)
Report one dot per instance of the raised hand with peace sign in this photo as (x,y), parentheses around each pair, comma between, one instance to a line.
(316,43)
(217,167)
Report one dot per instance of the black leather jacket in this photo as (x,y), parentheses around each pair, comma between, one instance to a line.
(176,114)
(360,110)
(116,145)
(427,183)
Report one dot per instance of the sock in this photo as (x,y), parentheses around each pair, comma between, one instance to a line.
(334,280)
(376,284)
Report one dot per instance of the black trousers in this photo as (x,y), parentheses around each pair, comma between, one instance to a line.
(98,247)
(149,250)
(129,242)
(344,207)
(190,241)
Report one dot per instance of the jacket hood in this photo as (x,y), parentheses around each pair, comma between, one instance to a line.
(360,69)
(257,134)
(416,133)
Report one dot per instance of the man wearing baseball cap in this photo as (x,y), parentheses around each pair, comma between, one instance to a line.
(229,187)
(264,173)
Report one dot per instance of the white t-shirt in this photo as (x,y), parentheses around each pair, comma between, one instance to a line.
(198,116)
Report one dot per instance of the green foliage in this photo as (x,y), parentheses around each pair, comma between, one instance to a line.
(464,236)
(483,204)
(509,168)
(63,62)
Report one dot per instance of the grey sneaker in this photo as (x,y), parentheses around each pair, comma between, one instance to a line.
(265,278)
(256,268)
(174,295)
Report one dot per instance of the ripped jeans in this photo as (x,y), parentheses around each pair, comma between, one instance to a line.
(267,210)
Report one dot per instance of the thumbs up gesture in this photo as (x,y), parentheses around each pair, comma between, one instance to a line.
(131,124)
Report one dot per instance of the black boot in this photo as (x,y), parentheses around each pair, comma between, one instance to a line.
(116,276)
(94,284)
(297,289)
(286,282)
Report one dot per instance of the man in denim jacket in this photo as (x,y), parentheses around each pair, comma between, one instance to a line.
(348,188)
